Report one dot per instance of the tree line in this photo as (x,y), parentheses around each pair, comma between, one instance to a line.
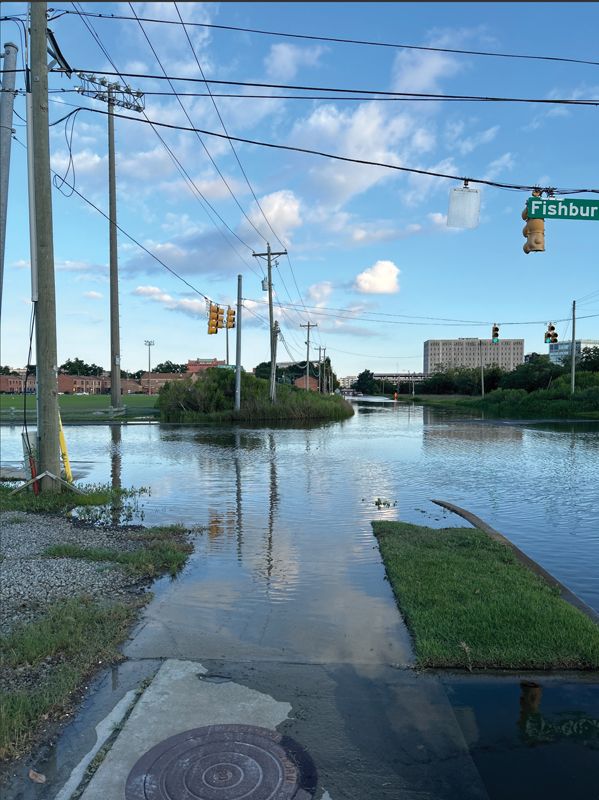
(537,373)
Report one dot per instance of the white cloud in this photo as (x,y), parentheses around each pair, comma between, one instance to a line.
(319,293)
(93,295)
(466,144)
(66,265)
(381,278)
(282,210)
(192,307)
(284,60)
(499,167)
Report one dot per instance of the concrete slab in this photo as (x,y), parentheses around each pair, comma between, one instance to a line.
(182,696)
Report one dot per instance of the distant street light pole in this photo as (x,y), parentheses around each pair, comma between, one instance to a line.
(149,343)
(482,371)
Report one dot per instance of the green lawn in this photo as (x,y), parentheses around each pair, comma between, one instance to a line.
(469,603)
(73,407)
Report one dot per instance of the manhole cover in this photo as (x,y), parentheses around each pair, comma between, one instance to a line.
(224,762)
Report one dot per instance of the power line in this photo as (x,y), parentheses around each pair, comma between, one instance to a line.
(409,320)
(226,131)
(347,159)
(224,180)
(196,192)
(380,92)
(342,40)
(375,97)
(123,231)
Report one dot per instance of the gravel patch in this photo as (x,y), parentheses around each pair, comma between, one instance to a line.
(29,582)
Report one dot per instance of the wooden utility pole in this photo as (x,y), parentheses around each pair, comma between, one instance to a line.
(113,94)
(273,363)
(115,339)
(308,326)
(45,307)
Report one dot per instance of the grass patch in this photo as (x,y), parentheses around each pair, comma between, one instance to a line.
(48,659)
(56,502)
(159,555)
(469,603)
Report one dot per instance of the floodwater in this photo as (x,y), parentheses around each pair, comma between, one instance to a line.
(288,510)
(285,591)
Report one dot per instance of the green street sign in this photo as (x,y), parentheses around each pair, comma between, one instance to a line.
(551,208)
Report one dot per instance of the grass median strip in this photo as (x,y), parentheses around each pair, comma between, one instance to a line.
(43,662)
(469,603)
(161,553)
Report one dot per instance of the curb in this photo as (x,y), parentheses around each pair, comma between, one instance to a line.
(565,593)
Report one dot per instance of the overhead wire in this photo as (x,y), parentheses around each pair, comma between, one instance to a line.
(181,104)
(344,40)
(343,90)
(128,235)
(370,98)
(361,161)
(222,122)
(191,184)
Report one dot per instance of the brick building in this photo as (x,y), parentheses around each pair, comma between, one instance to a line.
(301,383)
(200,364)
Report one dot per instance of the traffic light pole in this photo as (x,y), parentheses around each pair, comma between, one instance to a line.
(45,311)
(238,349)
(573,350)
(227,337)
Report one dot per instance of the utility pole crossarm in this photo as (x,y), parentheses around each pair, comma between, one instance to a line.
(308,326)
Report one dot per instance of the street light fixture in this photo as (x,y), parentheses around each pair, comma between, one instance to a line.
(149,343)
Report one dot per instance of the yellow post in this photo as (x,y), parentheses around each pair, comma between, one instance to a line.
(64,451)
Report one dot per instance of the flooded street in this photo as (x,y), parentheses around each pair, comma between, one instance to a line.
(285,592)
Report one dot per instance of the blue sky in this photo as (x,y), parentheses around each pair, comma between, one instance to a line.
(370,240)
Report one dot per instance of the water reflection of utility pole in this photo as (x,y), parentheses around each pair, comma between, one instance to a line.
(115,472)
(238,524)
(530,701)
(272,505)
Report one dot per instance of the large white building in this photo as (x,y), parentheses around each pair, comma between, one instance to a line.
(561,350)
(442,354)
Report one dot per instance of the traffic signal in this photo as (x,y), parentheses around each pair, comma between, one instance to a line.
(550,328)
(553,334)
(213,318)
(220,312)
(495,333)
(230,318)
(534,230)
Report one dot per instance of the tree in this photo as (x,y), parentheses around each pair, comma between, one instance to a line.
(589,359)
(536,374)
(366,383)
(168,366)
(7,371)
(75,366)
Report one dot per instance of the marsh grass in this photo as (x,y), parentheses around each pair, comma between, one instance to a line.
(469,603)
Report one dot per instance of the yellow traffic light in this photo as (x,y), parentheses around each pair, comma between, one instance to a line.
(220,316)
(230,318)
(213,318)
(534,231)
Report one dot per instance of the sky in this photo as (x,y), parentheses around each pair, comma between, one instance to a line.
(371,259)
